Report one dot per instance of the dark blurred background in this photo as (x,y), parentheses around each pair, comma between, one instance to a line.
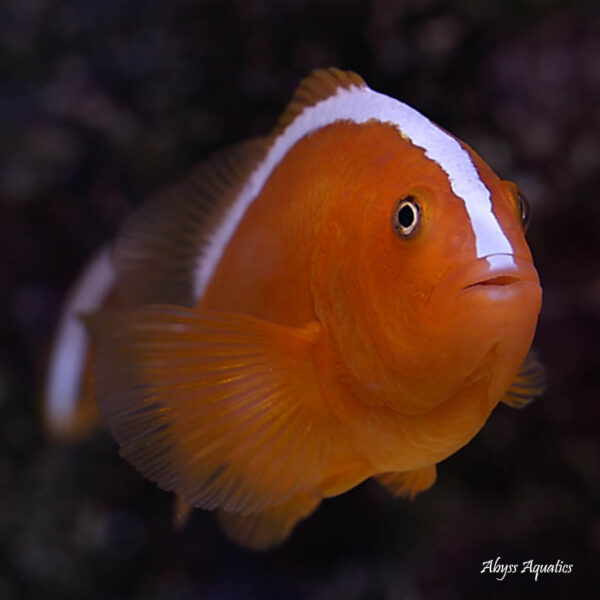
(104,101)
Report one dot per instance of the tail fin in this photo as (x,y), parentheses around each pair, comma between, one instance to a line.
(69,409)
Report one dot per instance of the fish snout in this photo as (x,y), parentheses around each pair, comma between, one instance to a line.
(499,270)
(495,275)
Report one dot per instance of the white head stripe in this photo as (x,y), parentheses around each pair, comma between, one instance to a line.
(69,349)
(359,105)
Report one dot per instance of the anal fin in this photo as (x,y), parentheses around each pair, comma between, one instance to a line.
(269,527)
(408,483)
(182,511)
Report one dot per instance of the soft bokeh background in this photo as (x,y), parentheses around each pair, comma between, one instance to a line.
(105,101)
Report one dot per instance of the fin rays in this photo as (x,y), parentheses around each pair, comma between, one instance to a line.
(218,430)
(319,85)
(158,250)
(529,384)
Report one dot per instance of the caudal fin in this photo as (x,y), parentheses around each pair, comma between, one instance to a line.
(69,410)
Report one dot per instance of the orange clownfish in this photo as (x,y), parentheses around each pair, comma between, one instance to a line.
(348,297)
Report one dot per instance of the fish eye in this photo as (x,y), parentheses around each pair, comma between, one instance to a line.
(524,210)
(405,217)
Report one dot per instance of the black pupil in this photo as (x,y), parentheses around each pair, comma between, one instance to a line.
(524,205)
(406,216)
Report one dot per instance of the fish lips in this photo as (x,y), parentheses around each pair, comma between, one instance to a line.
(496,276)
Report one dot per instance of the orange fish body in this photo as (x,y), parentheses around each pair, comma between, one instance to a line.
(346,298)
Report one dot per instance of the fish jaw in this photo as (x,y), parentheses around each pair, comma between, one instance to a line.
(491,307)
(477,325)
(494,276)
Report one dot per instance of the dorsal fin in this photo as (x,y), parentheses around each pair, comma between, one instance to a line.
(319,85)
(157,251)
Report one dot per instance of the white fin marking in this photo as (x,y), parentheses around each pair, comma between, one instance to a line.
(70,345)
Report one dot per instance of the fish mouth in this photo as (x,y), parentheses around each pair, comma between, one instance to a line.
(496,275)
(495,281)
(498,271)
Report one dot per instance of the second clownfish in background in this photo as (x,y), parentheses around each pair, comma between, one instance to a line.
(348,297)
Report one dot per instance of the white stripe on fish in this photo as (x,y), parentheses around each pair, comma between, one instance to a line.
(359,105)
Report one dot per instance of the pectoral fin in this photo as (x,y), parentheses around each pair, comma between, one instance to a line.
(221,408)
(269,527)
(529,384)
(408,483)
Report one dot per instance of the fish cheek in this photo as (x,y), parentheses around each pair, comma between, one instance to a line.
(386,331)
(394,297)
